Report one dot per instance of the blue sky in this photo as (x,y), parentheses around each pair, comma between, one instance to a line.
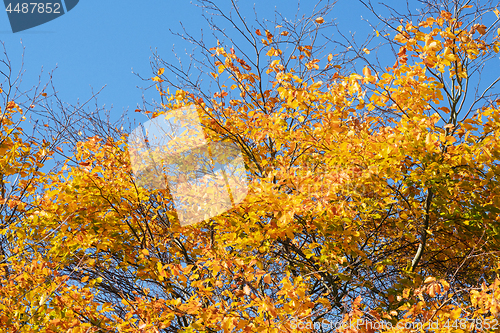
(99,43)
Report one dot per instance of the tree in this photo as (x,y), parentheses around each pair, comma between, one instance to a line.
(372,203)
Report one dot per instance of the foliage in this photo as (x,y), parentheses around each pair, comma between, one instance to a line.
(373,196)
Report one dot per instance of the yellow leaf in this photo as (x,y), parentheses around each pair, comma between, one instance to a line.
(84,279)
(356,76)
(145,252)
(428,141)
(315,85)
(451,57)
(160,71)
(445,284)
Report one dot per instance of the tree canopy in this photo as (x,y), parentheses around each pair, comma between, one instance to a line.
(373,189)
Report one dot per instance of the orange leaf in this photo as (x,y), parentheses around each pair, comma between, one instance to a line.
(429,279)
(320,20)
(481,29)
(367,71)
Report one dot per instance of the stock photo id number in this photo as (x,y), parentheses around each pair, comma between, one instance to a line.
(25,15)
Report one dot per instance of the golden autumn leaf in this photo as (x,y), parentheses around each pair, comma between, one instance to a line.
(367,71)
(430,279)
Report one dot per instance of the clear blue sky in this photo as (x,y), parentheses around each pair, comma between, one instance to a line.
(99,42)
